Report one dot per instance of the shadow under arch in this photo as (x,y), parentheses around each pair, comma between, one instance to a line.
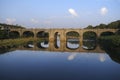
(57,40)
(28,34)
(72,40)
(14,34)
(89,40)
(42,34)
(107,33)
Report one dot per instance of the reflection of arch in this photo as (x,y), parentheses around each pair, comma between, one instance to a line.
(28,34)
(29,44)
(89,35)
(57,40)
(89,40)
(108,33)
(43,44)
(72,40)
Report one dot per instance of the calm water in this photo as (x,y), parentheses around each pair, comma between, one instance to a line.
(44,65)
(52,65)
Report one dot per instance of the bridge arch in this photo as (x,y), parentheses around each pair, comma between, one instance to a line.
(107,33)
(14,34)
(89,40)
(72,40)
(42,34)
(90,35)
(28,34)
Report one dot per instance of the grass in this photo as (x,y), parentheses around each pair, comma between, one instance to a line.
(19,41)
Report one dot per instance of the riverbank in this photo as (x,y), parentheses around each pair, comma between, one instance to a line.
(110,42)
(19,41)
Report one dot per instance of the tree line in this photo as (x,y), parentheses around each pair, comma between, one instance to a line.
(10,26)
(112,25)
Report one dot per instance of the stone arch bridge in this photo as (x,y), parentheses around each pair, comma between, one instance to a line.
(62,34)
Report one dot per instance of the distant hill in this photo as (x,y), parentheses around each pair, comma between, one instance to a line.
(8,26)
(112,25)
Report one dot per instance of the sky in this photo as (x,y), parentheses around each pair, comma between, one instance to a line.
(59,13)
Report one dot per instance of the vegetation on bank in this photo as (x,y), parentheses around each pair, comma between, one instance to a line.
(19,41)
(110,41)
(112,25)
(8,26)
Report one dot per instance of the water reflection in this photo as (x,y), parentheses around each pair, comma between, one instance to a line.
(114,54)
(102,58)
(72,43)
(43,44)
(57,40)
(64,65)
(72,56)
(89,44)
(29,44)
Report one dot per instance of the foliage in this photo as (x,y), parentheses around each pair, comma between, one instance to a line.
(4,34)
(3,25)
(89,35)
(73,33)
(89,27)
(110,41)
(14,35)
(112,25)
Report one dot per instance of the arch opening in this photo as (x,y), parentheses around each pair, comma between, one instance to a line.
(43,39)
(72,40)
(89,40)
(42,34)
(108,33)
(14,34)
(28,34)
(57,40)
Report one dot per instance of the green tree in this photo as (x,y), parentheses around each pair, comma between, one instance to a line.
(90,27)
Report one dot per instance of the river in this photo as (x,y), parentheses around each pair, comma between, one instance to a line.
(30,64)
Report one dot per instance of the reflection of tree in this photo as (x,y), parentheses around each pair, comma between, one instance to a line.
(28,44)
(89,35)
(4,49)
(111,45)
(114,54)
(90,44)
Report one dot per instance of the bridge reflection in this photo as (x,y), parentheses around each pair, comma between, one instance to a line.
(45,46)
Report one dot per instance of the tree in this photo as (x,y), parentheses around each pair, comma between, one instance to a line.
(90,27)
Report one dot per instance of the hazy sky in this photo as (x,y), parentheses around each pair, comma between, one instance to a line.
(59,13)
